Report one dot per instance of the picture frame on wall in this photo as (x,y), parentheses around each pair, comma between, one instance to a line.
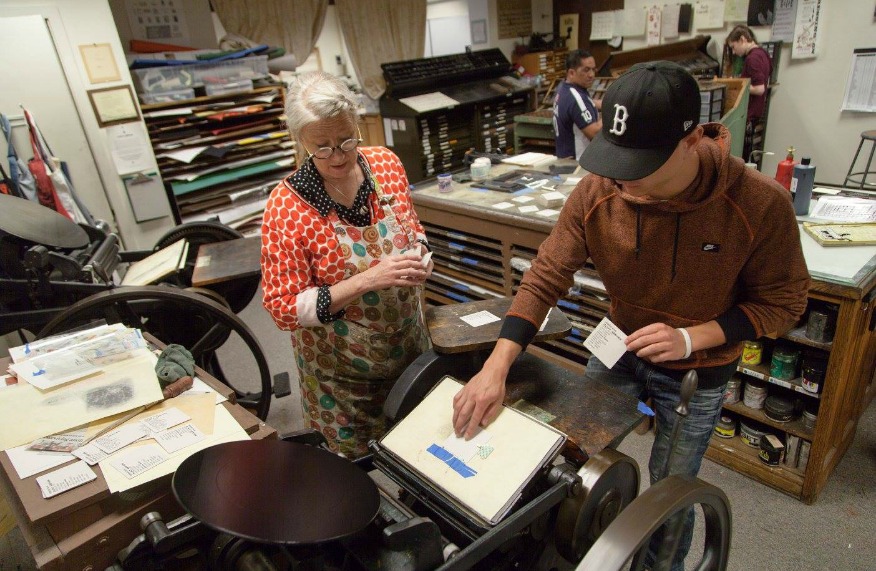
(478,31)
(114,105)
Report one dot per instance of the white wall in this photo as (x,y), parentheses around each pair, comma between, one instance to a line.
(805,106)
(73,24)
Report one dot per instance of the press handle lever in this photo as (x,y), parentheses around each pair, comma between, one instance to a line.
(686,392)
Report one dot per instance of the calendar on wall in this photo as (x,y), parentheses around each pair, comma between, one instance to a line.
(157,20)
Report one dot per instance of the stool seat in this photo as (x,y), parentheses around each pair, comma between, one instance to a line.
(858,179)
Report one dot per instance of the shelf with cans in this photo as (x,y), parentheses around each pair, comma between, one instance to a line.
(771,405)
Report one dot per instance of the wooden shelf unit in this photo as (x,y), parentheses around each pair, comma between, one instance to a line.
(498,239)
(246,118)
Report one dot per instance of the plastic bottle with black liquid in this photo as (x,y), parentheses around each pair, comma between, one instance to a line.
(801,186)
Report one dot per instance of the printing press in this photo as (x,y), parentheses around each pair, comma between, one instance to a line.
(291,504)
(56,275)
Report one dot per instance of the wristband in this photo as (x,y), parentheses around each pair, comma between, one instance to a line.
(687,343)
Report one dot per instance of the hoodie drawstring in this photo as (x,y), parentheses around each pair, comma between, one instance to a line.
(674,243)
(638,228)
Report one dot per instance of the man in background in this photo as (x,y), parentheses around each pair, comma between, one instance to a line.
(576,115)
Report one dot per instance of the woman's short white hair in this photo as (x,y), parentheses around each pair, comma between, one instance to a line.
(315,96)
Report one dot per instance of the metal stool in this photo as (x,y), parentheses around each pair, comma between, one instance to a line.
(851,177)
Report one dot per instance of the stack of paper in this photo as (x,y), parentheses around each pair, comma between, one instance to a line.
(484,476)
(161,264)
(530,159)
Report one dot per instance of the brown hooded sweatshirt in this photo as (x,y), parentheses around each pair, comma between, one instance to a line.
(727,248)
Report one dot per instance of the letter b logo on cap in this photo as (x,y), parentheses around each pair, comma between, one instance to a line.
(619,125)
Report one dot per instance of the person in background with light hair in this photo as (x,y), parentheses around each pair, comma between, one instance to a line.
(758,67)
(343,266)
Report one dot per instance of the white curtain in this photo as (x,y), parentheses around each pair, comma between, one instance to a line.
(294,25)
(381,31)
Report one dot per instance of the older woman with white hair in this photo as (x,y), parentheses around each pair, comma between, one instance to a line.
(343,266)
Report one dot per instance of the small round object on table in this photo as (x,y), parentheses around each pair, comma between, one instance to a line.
(272,491)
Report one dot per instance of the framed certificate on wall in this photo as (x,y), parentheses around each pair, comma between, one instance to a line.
(114,105)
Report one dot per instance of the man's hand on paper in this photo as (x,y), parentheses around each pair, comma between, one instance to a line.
(480,401)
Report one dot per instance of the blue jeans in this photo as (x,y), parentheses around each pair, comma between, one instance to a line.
(642,380)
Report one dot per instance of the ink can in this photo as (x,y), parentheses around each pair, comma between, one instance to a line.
(816,326)
(445,183)
(750,435)
(752,353)
(771,450)
(733,391)
(726,427)
(779,408)
(784,364)
(754,395)
(809,419)
(813,375)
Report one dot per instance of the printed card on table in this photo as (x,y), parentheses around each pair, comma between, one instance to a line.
(65,478)
(480,318)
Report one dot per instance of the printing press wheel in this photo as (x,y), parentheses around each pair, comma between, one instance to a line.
(197,322)
(627,538)
(238,292)
(610,481)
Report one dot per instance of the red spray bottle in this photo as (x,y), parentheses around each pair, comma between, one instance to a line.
(785,170)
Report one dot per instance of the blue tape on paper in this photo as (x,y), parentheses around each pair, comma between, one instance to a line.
(455,463)
(456,245)
(470,261)
(27,348)
(568,304)
(461,287)
(38,373)
(644,409)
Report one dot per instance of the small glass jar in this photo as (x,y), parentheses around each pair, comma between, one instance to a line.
(752,353)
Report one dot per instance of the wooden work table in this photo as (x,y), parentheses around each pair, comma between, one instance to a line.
(86,527)
(480,253)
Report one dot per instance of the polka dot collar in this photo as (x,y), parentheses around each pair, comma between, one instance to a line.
(309,184)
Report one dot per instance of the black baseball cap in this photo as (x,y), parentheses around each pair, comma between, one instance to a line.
(645,113)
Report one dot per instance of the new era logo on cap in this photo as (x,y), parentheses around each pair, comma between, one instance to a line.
(647,111)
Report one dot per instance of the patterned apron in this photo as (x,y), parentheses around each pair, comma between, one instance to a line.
(347,367)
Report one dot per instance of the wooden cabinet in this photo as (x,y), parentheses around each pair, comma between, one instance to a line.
(481,251)
(847,390)
(220,156)
(371,126)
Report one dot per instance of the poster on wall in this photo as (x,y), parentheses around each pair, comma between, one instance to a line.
(761,12)
(634,21)
(514,18)
(157,20)
(652,30)
(669,21)
(735,10)
(709,14)
(602,25)
(806,35)
(861,87)
(569,30)
(783,21)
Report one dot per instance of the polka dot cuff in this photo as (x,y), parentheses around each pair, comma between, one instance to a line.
(323,303)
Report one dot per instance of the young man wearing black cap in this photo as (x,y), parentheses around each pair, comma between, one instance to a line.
(697,252)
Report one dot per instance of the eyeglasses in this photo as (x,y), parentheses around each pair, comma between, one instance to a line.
(345,147)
